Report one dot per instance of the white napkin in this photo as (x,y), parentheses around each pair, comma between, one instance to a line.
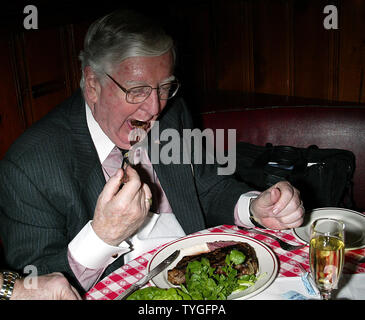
(351,286)
(157,229)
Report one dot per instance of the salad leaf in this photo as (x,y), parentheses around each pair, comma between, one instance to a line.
(154,293)
(237,257)
(202,282)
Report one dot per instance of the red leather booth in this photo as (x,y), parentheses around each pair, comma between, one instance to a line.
(301,126)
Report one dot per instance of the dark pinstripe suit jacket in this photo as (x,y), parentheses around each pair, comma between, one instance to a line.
(51,177)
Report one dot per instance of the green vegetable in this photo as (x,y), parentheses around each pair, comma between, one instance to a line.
(202,282)
(154,293)
(237,257)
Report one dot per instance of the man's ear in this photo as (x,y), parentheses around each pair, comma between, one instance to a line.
(92,86)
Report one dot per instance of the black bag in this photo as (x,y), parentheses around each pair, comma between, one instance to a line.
(323,176)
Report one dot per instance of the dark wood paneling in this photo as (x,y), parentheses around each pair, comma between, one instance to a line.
(194,38)
(271,41)
(76,35)
(352,51)
(233,45)
(226,48)
(311,50)
(48,74)
(12,122)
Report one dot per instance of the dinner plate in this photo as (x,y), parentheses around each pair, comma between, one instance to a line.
(268,264)
(354,225)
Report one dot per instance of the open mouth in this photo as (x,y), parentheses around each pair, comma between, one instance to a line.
(139,130)
(140,124)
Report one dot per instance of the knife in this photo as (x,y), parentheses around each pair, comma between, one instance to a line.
(154,272)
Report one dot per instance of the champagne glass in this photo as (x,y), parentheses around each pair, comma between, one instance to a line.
(327,254)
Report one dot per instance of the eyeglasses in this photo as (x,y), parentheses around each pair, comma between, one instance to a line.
(141,93)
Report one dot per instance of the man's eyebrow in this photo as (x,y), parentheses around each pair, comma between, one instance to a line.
(169,79)
(141,83)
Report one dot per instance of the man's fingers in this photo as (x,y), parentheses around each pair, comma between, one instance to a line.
(290,204)
(292,216)
(269,197)
(292,221)
(147,193)
(275,194)
(112,186)
(279,207)
(286,194)
(129,190)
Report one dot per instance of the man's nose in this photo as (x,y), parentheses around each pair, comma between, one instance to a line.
(152,104)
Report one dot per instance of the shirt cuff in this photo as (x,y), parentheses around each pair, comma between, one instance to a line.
(86,277)
(242,209)
(92,252)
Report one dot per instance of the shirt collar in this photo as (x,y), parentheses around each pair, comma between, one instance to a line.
(103,144)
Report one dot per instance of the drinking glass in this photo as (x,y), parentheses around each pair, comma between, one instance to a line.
(327,254)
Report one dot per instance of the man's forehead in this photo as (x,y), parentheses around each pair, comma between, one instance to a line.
(141,69)
(164,60)
(143,82)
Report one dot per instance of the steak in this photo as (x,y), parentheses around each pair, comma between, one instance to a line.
(217,258)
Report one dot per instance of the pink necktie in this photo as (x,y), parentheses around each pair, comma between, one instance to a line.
(112,163)
(145,170)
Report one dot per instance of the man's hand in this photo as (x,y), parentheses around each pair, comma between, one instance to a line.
(119,213)
(52,286)
(279,207)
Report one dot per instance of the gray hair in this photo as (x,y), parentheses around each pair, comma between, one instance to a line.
(118,36)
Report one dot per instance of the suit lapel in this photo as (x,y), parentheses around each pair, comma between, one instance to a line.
(86,164)
(174,178)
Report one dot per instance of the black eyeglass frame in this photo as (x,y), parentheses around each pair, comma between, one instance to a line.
(127,91)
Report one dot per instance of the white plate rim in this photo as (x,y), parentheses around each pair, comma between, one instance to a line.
(299,238)
(229,237)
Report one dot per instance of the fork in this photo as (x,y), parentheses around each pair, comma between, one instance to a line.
(285,246)
(125,164)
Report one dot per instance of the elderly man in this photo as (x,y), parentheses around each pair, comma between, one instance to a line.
(66,205)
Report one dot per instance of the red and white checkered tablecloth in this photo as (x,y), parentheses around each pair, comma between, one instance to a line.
(114,284)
